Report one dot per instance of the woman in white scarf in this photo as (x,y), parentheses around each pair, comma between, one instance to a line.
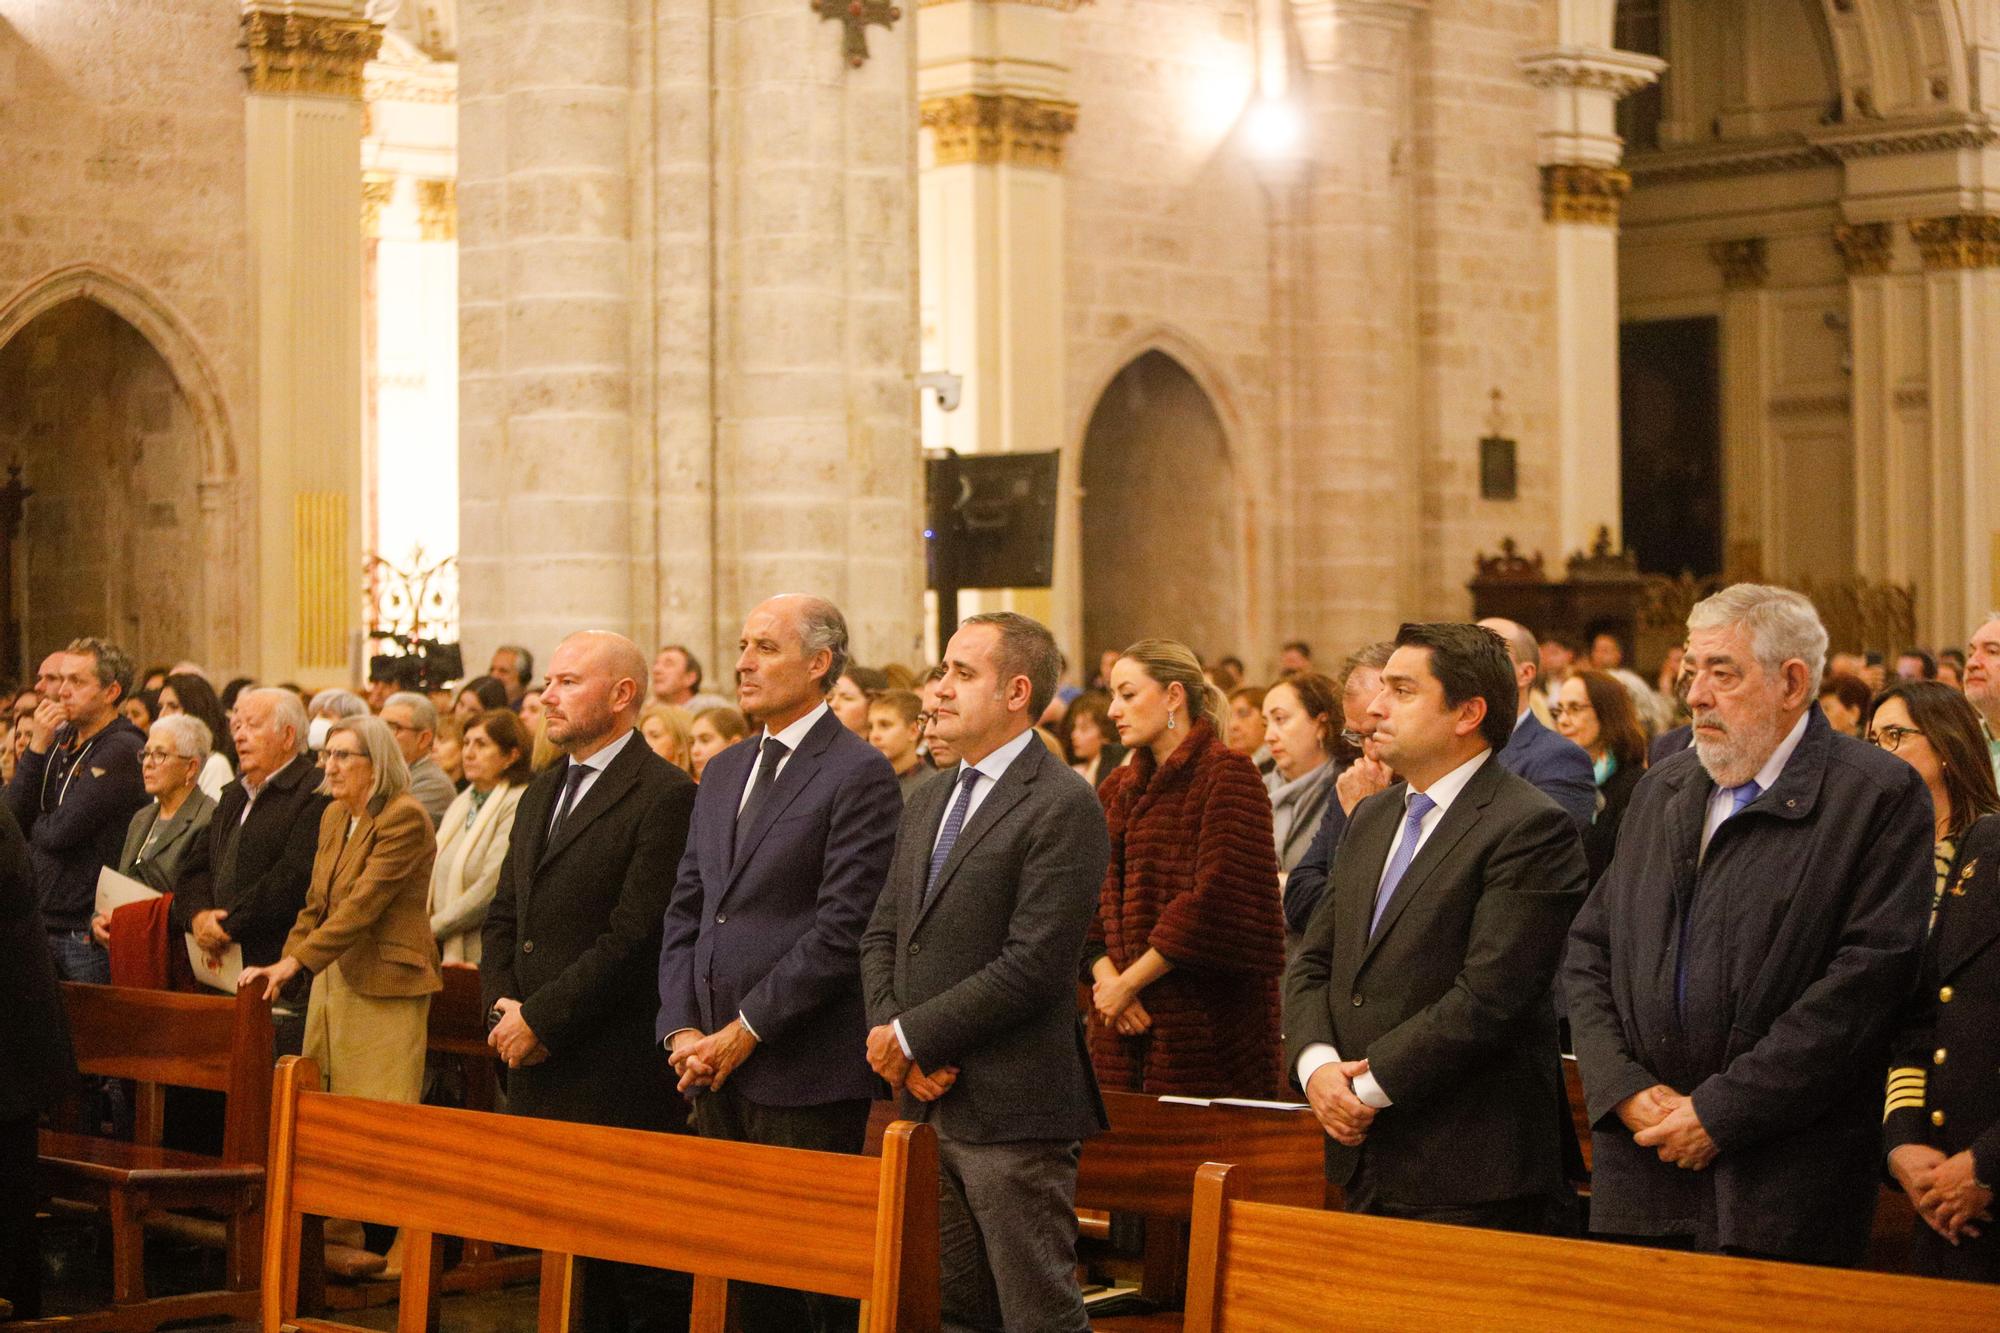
(473,835)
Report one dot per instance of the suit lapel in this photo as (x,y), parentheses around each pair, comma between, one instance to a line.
(351,850)
(799,771)
(1969,914)
(1013,786)
(1363,871)
(604,792)
(1452,826)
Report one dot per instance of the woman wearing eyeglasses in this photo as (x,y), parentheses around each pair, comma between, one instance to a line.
(1941,1121)
(364,934)
(1594,709)
(158,837)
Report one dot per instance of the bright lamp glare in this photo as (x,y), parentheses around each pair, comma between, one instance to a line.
(1271,128)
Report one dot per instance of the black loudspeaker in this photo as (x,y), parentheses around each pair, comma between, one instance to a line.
(991,520)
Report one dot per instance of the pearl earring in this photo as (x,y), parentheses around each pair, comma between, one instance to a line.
(1170,722)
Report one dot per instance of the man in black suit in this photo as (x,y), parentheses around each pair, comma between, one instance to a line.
(245,879)
(39,1066)
(1552,762)
(572,941)
(1416,1013)
(760,985)
(970,967)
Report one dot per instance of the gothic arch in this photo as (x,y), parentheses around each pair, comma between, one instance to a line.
(163,328)
(1183,349)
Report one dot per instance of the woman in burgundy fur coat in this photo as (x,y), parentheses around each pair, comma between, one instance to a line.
(1189,942)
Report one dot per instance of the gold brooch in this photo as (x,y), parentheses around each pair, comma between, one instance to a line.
(1964,874)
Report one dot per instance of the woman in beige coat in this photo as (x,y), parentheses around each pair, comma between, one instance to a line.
(364,934)
(473,836)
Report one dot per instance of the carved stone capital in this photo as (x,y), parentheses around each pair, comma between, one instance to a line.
(1594,68)
(1865,248)
(1961,241)
(1743,263)
(377,189)
(991,128)
(1577,192)
(437,210)
(307,53)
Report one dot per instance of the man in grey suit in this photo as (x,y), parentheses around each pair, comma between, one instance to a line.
(969,969)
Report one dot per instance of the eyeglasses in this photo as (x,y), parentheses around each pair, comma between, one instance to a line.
(1569,710)
(151,756)
(400,727)
(1891,738)
(1353,738)
(332,754)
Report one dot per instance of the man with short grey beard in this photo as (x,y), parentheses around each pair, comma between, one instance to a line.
(1733,980)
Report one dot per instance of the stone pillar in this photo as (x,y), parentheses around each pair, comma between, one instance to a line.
(994,93)
(1582,186)
(546,320)
(688,320)
(1747,522)
(302,125)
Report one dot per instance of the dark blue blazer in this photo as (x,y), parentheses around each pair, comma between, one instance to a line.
(775,934)
(1669,744)
(1306,885)
(1555,764)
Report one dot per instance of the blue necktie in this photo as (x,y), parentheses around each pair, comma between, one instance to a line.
(954,824)
(1406,851)
(1738,798)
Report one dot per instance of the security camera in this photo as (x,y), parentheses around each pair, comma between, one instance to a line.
(945,384)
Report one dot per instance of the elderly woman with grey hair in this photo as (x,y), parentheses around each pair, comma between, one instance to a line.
(364,934)
(162,832)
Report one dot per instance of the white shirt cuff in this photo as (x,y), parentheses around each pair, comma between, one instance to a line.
(901,1040)
(1369,1091)
(744,1019)
(1312,1058)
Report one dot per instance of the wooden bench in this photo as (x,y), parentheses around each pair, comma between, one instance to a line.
(1274,1268)
(457,1032)
(725,1212)
(166,1039)
(1144,1165)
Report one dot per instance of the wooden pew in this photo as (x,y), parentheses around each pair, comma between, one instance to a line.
(726,1212)
(456,1031)
(167,1039)
(1145,1164)
(1273,1268)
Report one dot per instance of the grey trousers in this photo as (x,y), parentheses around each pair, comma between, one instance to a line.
(1007,1214)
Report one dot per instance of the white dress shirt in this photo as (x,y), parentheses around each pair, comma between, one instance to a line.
(1720,802)
(1442,792)
(991,769)
(593,768)
(791,738)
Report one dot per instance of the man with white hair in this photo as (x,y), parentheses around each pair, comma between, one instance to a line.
(413,720)
(245,878)
(1734,979)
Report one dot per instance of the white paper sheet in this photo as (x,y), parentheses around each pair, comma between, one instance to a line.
(221,976)
(115,891)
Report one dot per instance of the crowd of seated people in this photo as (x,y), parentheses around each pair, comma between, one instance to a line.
(1759,885)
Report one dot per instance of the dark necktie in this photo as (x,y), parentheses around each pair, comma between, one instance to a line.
(571,781)
(954,824)
(774,754)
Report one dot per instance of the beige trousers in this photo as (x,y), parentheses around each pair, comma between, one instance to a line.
(366,1045)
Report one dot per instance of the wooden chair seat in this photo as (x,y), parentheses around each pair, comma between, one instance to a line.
(114,1162)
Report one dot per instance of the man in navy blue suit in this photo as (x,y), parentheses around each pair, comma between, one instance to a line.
(760,974)
(1553,763)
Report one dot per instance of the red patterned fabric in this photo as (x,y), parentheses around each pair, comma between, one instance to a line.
(1193,874)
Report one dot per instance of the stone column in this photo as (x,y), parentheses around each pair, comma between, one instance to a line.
(546,321)
(302,124)
(688,325)
(1868,253)
(1747,522)
(1582,186)
(994,93)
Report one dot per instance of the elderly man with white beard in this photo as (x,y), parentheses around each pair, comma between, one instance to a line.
(1734,978)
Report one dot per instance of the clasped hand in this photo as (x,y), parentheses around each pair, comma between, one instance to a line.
(1118,1006)
(1945,1191)
(1340,1112)
(1665,1121)
(885,1057)
(708,1061)
(513,1039)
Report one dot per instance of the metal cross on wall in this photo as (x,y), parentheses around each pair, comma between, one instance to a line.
(855,16)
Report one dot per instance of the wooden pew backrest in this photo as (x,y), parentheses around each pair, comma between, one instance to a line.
(820,1222)
(1146,1162)
(1272,1268)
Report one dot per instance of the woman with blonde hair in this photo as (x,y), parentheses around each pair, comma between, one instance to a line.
(1189,940)
(669,733)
